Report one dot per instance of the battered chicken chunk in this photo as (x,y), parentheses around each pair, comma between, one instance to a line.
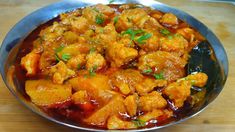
(152,101)
(178,92)
(169,19)
(96,60)
(159,59)
(187,33)
(30,63)
(169,64)
(90,13)
(61,72)
(198,79)
(175,43)
(79,24)
(119,54)
(126,80)
(131,17)
(53,32)
(77,62)
(131,103)
(147,85)
(105,36)
(152,44)
(104,9)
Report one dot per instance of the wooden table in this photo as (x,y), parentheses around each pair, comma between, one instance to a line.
(219,116)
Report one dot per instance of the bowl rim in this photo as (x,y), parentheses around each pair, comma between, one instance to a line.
(155,5)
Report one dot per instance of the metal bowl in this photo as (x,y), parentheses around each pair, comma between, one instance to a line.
(217,69)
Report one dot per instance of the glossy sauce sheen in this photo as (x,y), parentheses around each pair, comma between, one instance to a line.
(68,111)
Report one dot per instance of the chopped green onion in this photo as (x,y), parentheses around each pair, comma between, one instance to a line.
(86,76)
(59,48)
(138,32)
(139,123)
(170,37)
(92,50)
(99,19)
(115,20)
(92,71)
(65,57)
(141,39)
(132,32)
(128,31)
(57,58)
(148,70)
(101,30)
(165,32)
(78,66)
(159,76)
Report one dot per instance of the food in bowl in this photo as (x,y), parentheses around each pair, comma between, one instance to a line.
(111,67)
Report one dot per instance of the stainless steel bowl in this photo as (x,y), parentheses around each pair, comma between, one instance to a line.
(10,47)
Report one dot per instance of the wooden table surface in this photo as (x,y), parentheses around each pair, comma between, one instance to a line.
(219,116)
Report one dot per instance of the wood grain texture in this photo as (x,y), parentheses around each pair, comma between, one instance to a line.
(219,116)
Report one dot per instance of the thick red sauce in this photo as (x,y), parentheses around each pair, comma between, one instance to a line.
(68,111)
